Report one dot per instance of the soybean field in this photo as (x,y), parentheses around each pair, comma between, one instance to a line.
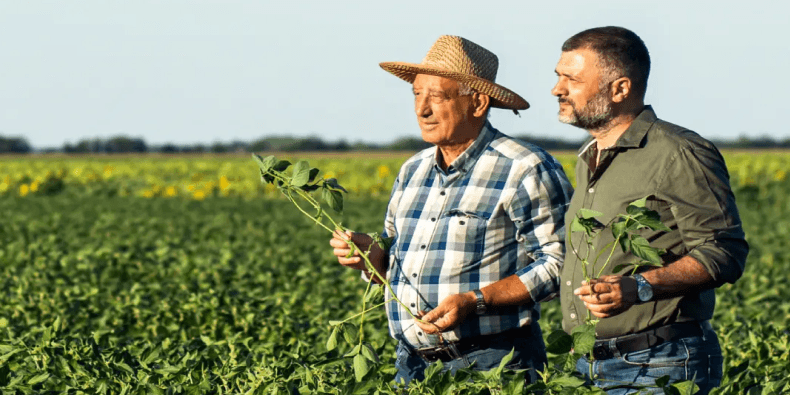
(187,275)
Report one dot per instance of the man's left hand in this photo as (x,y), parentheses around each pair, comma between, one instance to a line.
(449,314)
(608,296)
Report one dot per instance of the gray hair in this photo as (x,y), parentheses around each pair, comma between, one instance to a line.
(465,90)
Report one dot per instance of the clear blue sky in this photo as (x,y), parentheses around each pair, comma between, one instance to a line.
(188,71)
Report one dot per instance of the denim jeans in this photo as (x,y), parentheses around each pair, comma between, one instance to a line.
(697,358)
(529,353)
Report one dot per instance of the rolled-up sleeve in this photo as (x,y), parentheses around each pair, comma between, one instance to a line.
(696,185)
(538,211)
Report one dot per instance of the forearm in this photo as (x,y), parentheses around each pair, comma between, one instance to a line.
(380,262)
(509,291)
(679,277)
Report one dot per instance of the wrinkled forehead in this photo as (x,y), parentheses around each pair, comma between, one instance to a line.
(434,83)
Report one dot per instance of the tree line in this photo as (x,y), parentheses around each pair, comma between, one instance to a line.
(126,144)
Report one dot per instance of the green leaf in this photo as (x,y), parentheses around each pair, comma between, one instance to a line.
(281,165)
(619,228)
(331,343)
(38,378)
(585,213)
(642,249)
(354,351)
(332,184)
(265,163)
(583,338)
(361,367)
(639,202)
(567,381)
(350,333)
(651,219)
(635,210)
(334,199)
(662,381)
(369,353)
(559,342)
(313,174)
(619,268)
(685,387)
(301,174)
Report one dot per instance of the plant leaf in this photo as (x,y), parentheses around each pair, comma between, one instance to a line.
(639,202)
(265,163)
(361,366)
(331,343)
(332,184)
(369,353)
(281,165)
(301,174)
(583,338)
(334,199)
(587,213)
(642,249)
(559,342)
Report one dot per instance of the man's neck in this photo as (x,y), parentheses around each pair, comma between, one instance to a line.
(449,152)
(607,136)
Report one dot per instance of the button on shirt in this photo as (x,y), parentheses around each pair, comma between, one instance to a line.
(496,211)
(685,179)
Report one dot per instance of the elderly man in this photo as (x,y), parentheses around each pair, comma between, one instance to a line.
(655,322)
(477,223)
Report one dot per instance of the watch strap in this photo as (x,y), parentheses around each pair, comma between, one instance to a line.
(481,302)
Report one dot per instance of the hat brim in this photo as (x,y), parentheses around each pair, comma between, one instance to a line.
(501,97)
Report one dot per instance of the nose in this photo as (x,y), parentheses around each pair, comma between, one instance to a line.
(559,89)
(421,106)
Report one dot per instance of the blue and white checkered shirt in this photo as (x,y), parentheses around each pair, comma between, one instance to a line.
(498,210)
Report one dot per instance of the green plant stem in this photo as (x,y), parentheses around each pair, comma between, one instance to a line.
(606,263)
(369,265)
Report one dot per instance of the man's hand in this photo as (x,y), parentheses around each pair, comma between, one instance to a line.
(449,314)
(608,296)
(363,242)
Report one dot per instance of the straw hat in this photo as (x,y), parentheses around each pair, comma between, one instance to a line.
(459,59)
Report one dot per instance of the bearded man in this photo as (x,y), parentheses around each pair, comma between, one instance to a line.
(656,322)
(477,223)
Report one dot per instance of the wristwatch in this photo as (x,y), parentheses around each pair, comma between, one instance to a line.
(481,303)
(644,290)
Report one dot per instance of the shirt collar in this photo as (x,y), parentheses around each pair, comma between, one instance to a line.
(468,158)
(634,135)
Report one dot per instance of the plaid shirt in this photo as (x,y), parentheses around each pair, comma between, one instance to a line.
(498,210)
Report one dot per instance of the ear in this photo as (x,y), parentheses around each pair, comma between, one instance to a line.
(621,89)
(481,103)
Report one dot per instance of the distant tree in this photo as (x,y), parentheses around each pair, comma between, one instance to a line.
(408,144)
(14,145)
(168,148)
(124,144)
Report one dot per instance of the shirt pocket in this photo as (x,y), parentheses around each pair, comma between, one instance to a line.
(466,233)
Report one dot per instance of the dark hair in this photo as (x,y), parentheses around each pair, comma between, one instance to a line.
(619,50)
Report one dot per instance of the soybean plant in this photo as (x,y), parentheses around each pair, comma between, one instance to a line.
(298,187)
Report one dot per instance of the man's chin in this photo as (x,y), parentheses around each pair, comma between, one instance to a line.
(567,119)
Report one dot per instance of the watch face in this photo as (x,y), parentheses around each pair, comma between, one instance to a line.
(645,293)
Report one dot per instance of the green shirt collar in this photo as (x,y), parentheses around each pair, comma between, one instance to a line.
(634,136)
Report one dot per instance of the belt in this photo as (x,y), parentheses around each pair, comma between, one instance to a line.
(616,346)
(454,350)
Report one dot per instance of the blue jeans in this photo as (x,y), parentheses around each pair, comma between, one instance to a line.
(529,353)
(697,358)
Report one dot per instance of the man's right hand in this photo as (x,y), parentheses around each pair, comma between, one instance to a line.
(363,243)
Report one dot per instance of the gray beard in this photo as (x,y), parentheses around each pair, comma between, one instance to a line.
(594,117)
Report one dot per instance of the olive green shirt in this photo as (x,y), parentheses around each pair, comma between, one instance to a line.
(686,182)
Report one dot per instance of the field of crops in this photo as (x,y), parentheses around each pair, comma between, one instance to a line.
(140,275)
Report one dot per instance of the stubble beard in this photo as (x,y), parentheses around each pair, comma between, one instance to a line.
(595,116)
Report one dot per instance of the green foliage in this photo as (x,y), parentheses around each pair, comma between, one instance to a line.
(116,295)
